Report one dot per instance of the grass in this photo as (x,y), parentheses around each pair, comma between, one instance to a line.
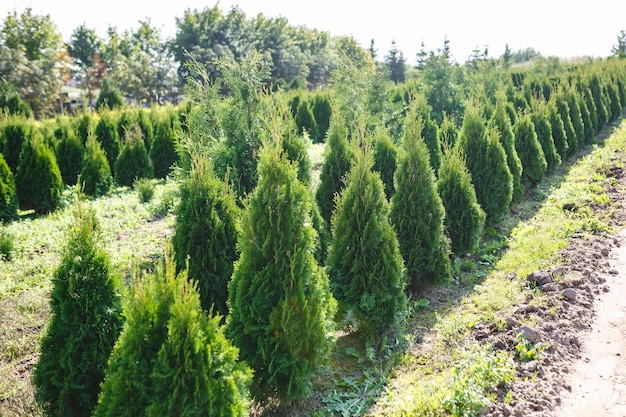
(429,366)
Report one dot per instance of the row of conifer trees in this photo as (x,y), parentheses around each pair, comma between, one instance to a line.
(38,159)
(273,269)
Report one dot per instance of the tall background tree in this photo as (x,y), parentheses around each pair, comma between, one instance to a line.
(33,58)
(396,64)
(85,47)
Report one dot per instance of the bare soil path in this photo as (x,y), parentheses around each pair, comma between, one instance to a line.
(598,379)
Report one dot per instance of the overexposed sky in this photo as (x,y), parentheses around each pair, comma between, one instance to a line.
(552,27)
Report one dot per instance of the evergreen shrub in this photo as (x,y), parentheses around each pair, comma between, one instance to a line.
(133,162)
(529,151)
(8,193)
(95,174)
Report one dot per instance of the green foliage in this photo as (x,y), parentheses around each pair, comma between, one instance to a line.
(295,146)
(107,135)
(585,115)
(558,131)
(540,116)
(281,305)
(86,320)
(109,97)
(322,110)
(95,174)
(501,122)
(144,121)
(69,153)
(205,236)
(16,131)
(127,119)
(338,158)
(448,133)
(145,189)
(12,103)
(85,126)
(486,161)
(465,219)
(596,86)
(133,162)
(305,121)
(8,194)
(417,211)
(385,160)
(38,180)
(570,133)
(7,244)
(171,358)
(430,130)
(571,97)
(163,150)
(530,151)
(364,261)
(615,106)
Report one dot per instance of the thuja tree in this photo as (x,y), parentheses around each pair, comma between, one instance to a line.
(571,98)
(205,237)
(385,159)
(84,325)
(364,261)
(16,131)
(448,133)
(540,117)
(501,122)
(568,127)
(430,130)
(95,174)
(163,151)
(465,219)
(38,179)
(615,106)
(596,86)
(107,135)
(417,212)
(530,151)
(85,125)
(69,153)
(8,195)
(281,305)
(171,358)
(133,161)
(558,130)
(338,159)
(585,115)
(486,161)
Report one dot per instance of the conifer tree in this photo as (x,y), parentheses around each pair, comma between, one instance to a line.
(163,148)
(417,212)
(571,98)
(306,121)
(558,130)
(486,161)
(615,106)
(279,297)
(322,110)
(448,133)
(465,219)
(596,85)
(205,236)
(108,136)
(171,358)
(586,119)
(364,262)
(85,125)
(8,195)
(95,174)
(430,130)
(540,117)
(568,127)
(69,154)
(501,122)
(38,180)
(530,151)
(85,323)
(385,159)
(16,131)
(133,162)
(338,159)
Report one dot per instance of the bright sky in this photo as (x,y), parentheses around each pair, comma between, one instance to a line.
(552,27)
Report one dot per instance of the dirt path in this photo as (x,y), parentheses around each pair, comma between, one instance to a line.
(598,378)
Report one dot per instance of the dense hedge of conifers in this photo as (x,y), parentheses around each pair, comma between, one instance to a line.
(281,300)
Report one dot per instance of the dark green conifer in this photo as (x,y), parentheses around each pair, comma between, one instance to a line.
(540,117)
(568,127)
(16,131)
(596,86)
(448,133)
(430,130)
(558,130)
(107,135)
(205,236)
(280,301)
(486,161)
(322,111)
(163,151)
(615,106)
(8,195)
(38,180)
(465,219)
(571,98)
(69,153)
(85,125)
(338,159)
(501,122)
(530,151)
(364,262)
(109,97)
(133,162)
(417,212)
(85,323)
(585,115)
(385,159)
(171,358)
(305,121)
(95,174)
